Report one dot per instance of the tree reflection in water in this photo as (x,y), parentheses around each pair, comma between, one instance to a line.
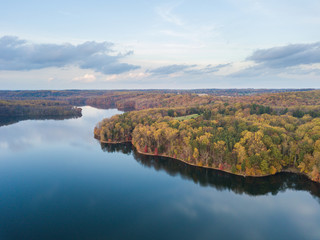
(221,181)
(5,121)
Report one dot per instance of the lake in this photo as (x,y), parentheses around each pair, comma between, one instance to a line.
(58,182)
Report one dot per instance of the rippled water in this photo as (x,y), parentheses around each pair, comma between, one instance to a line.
(58,182)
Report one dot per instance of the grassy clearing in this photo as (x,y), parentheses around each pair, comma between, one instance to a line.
(187,117)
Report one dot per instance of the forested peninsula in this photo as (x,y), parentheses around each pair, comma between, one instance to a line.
(252,135)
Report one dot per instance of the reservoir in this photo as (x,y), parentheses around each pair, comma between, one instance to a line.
(58,182)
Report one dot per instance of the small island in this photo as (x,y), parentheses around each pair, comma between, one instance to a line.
(253,135)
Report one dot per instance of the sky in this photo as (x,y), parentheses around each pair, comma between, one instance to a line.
(148,44)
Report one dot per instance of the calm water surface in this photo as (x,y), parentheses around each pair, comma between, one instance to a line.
(58,182)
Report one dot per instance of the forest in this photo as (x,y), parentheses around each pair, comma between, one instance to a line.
(135,99)
(37,108)
(251,135)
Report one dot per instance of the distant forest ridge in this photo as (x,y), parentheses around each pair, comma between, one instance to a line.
(137,99)
(11,94)
(31,104)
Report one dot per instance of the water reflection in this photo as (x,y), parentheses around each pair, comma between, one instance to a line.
(220,180)
(5,121)
(37,134)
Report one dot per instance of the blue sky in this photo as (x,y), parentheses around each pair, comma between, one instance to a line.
(159,44)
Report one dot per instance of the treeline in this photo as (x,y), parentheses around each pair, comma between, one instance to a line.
(122,100)
(238,135)
(143,99)
(54,94)
(283,99)
(298,103)
(37,108)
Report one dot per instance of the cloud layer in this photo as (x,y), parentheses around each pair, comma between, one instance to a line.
(288,56)
(188,69)
(170,69)
(293,60)
(17,55)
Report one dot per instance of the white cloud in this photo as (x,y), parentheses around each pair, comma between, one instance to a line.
(166,13)
(21,55)
(137,75)
(4,145)
(87,78)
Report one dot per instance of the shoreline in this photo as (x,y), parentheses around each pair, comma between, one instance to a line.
(207,167)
